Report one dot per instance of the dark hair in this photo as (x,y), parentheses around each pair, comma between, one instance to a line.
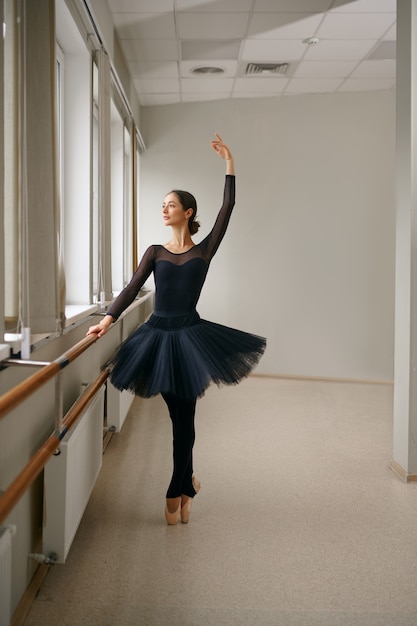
(188,201)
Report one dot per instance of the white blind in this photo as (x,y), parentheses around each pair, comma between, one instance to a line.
(10,126)
(40,298)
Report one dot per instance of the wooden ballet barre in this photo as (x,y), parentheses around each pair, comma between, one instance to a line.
(22,482)
(20,392)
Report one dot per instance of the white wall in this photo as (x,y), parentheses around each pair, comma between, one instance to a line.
(308,260)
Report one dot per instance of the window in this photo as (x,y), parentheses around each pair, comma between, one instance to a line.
(96,177)
(74,94)
(60,124)
(121,201)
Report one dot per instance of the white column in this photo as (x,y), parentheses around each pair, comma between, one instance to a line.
(405,389)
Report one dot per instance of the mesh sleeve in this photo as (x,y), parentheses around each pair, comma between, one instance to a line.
(129,293)
(211,243)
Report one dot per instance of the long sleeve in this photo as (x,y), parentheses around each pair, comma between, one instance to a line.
(211,243)
(129,293)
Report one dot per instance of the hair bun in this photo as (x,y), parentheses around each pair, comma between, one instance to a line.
(193,227)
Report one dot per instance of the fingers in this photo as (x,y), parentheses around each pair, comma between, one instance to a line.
(218,145)
(218,141)
(97,330)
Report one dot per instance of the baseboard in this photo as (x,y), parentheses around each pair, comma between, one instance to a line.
(325,379)
(29,596)
(402,473)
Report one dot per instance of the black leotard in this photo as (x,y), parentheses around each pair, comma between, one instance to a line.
(175,352)
(179,278)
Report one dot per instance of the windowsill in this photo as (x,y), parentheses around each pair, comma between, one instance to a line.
(76,312)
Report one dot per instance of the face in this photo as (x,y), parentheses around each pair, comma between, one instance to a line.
(173,212)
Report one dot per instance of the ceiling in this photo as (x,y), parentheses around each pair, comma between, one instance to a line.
(351,48)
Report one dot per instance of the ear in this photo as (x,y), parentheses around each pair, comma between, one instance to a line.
(189,213)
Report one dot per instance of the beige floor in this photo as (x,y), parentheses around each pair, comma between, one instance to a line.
(299,522)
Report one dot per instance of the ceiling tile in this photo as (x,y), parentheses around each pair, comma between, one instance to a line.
(255,84)
(324,69)
(145,25)
(207,84)
(225,6)
(310,85)
(149,50)
(383,51)
(163,40)
(365,6)
(367,84)
(293,6)
(210,50)
(159,99)
(283,25)
(204,97)
(355,25)
(339,50)
(375,69)
(212,25)
(272,50)
(131,6)
(153,69)
(156,85)
(391,35)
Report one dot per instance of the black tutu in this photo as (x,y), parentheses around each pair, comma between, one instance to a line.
(182,355)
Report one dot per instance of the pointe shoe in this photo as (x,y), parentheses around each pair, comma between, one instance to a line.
(173,518)
(196,484)
(186,511)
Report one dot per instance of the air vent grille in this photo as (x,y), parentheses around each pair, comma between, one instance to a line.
(267,68)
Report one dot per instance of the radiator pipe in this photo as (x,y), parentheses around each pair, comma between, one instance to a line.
(47,559)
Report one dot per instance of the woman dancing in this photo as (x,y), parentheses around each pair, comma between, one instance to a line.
(176,353)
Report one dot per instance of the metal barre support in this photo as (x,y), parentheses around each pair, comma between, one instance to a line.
(22,482)
(20,392)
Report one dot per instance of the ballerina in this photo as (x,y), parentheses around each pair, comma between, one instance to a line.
(176,353)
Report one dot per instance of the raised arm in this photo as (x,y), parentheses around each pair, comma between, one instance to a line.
(211,243)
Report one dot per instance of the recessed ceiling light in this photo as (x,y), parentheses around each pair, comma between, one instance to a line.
(207,69)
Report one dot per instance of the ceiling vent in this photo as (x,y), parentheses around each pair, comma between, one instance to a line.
(265,69)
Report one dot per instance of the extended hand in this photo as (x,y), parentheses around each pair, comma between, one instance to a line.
(221,148)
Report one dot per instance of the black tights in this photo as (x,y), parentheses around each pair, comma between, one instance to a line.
(182,413)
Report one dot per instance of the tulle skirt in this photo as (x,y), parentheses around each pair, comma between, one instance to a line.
(182,355)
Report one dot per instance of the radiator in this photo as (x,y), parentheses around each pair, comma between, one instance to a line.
(6,533)
(118,405)
(69,479)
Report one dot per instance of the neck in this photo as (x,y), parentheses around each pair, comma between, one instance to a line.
(181,238)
